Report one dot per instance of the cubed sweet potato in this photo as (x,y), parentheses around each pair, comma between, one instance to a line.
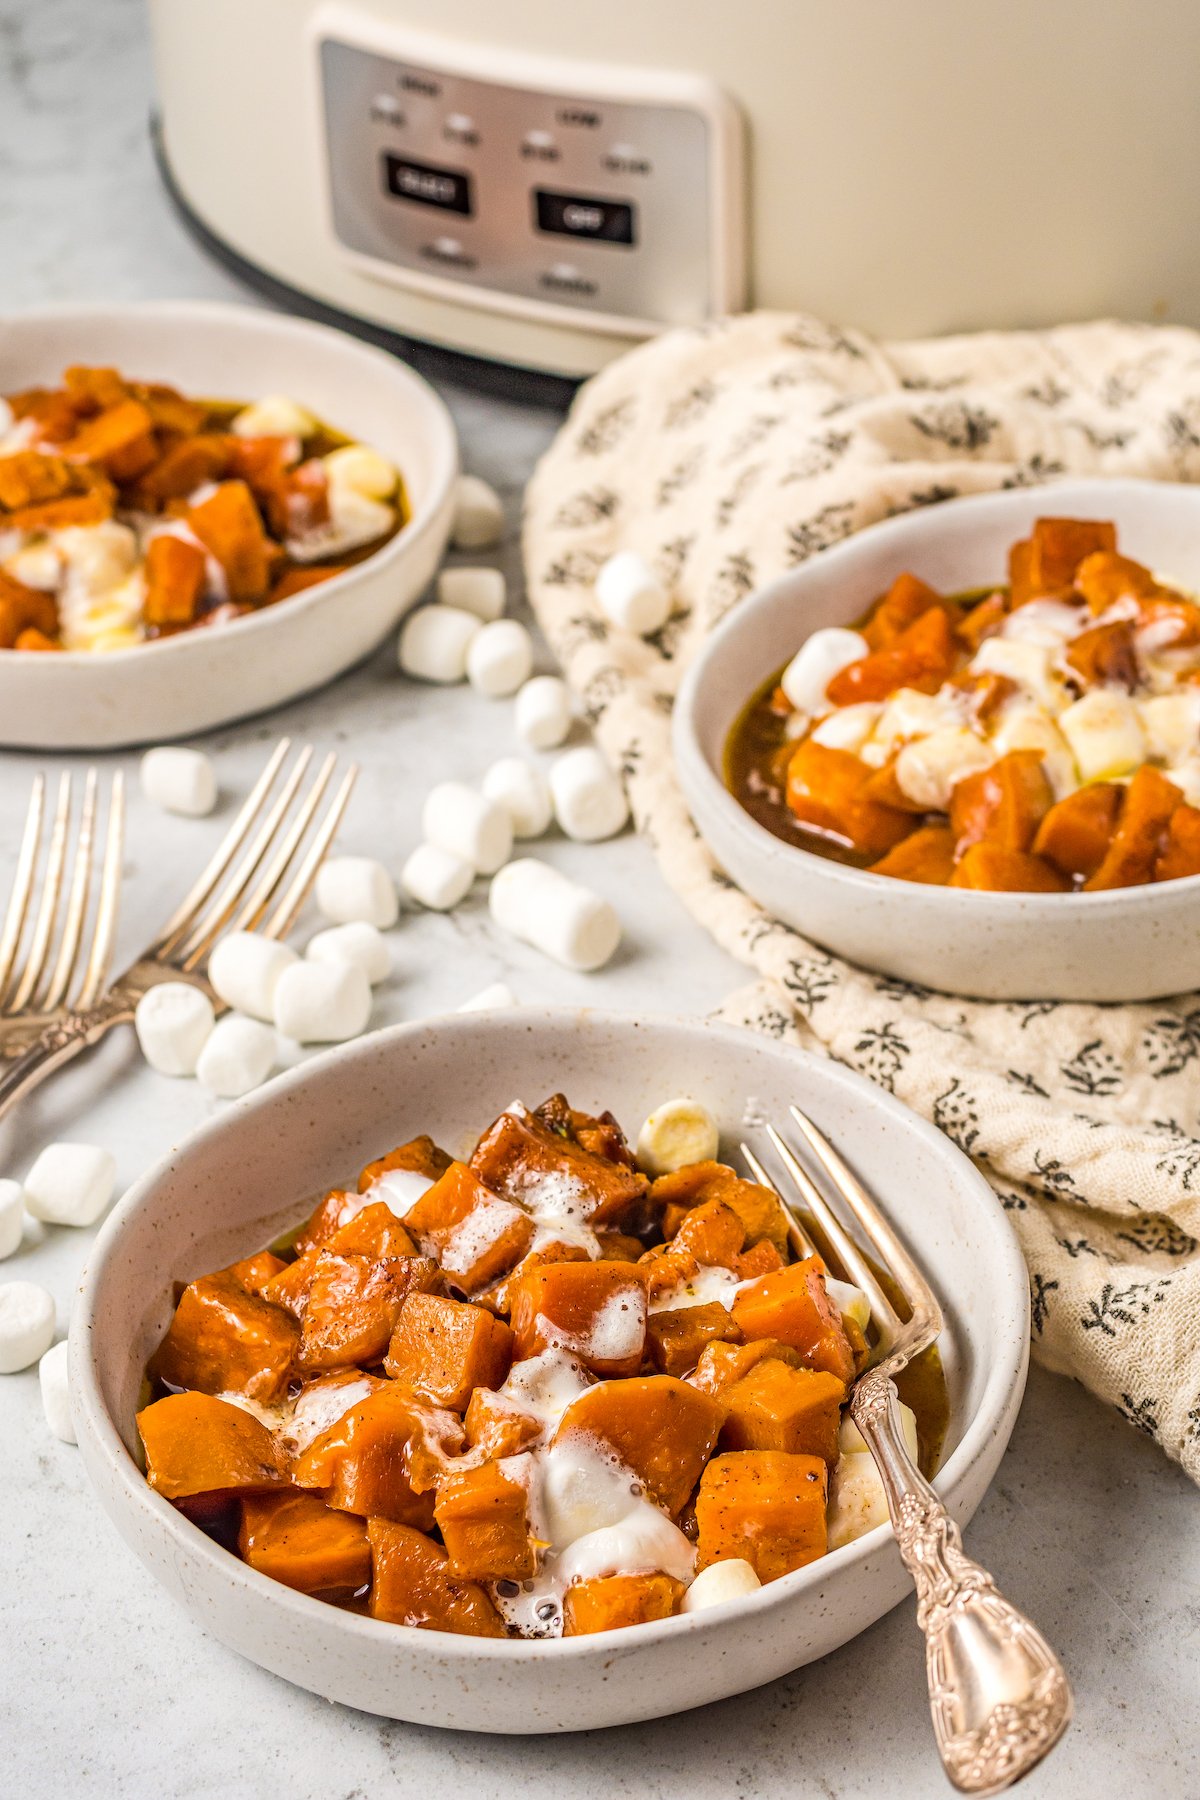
(182,468)
(1076,832)
(483,1516)
(775,1407)
(609,1602)
(722,1364)
(175,576)
(420,1156)
(196,1444)
(767,1506)
(297,1539)
(381,1458)
(996,870)
(498,1297)
(713,1233)
(1106,656)
(595,1311)
(120,438)
(1056,549)
(412,1585)
(33,639)
(922,657)
(1180,854)
(1001,805)
(1104,578)
(444,1349)
(826,793)
(676,1336)
(254,1272)
(980,621)
(353,1304)
(24,609)
(496,1428)
(906,599)
(926,856)
(662,1429)
(475,1235)
(289,1286)
(760,1259)
(1141,834)
(230,527)
(375,1231)
(793,1306)
(757,1207)
(301,576)
(520,1157)
(224,1339)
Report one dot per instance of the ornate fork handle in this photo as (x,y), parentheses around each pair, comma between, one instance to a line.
(60,1043)
(997,1692)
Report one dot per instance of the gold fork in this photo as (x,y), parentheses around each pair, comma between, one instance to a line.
(41,939)
(997,1692)
(258,877)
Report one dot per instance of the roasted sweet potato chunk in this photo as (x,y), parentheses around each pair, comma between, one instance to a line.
(369,1459)
(981,621)
(991,867)
(297,1539)
(609,1602)
(412,1585)
(375,1231)
(476,1235)
(1003,804)
(927,856)
(1104,578)
(420,1156)
(496,1428)
(595,1311)
(24,609)
(826,793)
(1180,855)
(906,600)
(223,1339)
(196,1444)
(767,1506)
(521,1158)
(757,1207)
(1076,832)
(1141,834)
(921,657)
(121,438)
(676,1337)
(713,1233)
(775,1407)
(230,527)
(1056,549)
(1106,656)
(444,1349)
(721,1364)
(175,575)
(483,1516)
(254,1272)
(660,1428)
(793,1306)
(352,1306)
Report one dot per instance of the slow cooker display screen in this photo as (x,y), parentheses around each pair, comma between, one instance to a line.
(580,216)
(447,189)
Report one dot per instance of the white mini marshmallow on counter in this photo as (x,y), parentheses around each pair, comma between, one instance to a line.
(245,967)
(630,594)
(483,592)
(275,415)
(498,993)
(56,1391)
(589,801)
(436,878)
(730,1579)
(70,1184)
(469,825)
(353,888)
(523,791)
(26,1324)
(322,1002)
(434,643)
(172,1022)
(12,1217)
(238,1056)
(543,712)
(361,469)
(820,657)
(499,658)
(478,515)
(675,1134)
(554,914)
(356,942)
(179,780)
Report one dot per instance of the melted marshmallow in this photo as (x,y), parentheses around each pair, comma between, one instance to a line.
(708,1284)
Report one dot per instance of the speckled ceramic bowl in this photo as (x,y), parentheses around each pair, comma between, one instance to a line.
(1124,944)
(78,700)
(240,1180)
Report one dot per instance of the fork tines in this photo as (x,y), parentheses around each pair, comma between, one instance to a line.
(46,928)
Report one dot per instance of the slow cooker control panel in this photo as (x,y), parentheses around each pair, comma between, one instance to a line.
(622,206)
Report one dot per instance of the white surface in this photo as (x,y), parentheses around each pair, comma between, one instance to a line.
(1086,1524)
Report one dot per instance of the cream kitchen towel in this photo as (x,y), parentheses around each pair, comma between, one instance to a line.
(729,454)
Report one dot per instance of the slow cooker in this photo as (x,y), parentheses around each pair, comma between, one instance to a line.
(545,182)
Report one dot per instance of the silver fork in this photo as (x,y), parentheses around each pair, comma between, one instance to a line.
(997,1692)
(258,877)
(42,940)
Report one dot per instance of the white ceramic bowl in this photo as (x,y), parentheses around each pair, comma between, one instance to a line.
(1124,944)
(253,1171)
(78,700)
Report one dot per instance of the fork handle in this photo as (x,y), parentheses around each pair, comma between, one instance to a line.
(997,1692)
(60,1043)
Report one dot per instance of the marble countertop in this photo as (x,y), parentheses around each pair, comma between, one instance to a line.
(108,1689)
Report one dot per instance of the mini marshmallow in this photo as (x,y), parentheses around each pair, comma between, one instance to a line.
(675,1134)
(730,1579)
(497,994)
(361,469)
(12,1217)
(557,916)
(483,592)
(436,878)
(820,657)
(543,712)
(322,1003)
(435,641)
(172,1022)
(70,1184)
(589,801)
(499,658)
(56,1391)
(245,968)
(478,515)
(26,1324)
(631,595)
(239,1055)
(179,780)
(275,415)
(523,791)
(353,888)
(357,943)
(456,818)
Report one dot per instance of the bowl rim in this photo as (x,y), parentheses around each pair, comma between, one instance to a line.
(693,763)
(440,454)
(1003,1381)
